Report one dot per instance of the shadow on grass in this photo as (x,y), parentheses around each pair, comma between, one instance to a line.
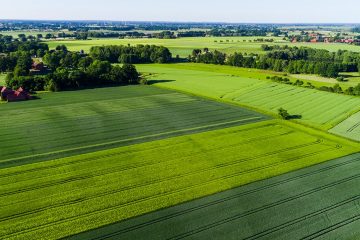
(295,117)
(152,82)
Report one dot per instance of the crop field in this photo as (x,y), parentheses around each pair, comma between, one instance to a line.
(2,79)
(350,128)
(71,123)
(321,109)
(184,46)
(63,197)
(319,202)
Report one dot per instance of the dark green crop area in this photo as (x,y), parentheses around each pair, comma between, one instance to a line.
(319,202)
(63,197)
(70,123)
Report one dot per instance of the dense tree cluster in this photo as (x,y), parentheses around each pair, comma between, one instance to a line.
(66,70)
(97,74)
(132,54)
(8,44)
(285,59)
(206,56)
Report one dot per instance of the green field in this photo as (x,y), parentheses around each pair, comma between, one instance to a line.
(184,46)
(349,128)
(317,108)
(321,199)
(58,198)
(70,123)
(2,79)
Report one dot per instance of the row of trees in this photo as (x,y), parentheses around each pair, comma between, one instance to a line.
(292,60)
(132,54)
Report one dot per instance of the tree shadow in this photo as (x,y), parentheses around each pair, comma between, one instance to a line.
(152,82)
(292,117)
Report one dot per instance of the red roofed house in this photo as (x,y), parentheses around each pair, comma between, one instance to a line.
(38,66)
(10,95)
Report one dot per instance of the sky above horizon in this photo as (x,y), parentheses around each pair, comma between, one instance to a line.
(240,11)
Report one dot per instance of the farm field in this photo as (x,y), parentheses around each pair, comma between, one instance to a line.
(59,198)
(70,123)
(2,79)
(351,79)
(184,46)
(349,128)
(322,200)
(317,108)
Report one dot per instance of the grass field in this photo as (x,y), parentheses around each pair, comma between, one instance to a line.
(349,128)
(184,46)
(322,201)
(321,109)
(54,199)
(2,79)
(70,123)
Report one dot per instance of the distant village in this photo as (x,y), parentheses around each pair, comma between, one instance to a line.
(322,38)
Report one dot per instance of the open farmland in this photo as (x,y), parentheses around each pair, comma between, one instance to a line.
(2,79)
(349,128)
(317,108)
(58,198)
(323,202)
(69,123)
(184,46)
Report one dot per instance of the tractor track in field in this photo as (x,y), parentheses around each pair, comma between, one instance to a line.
(150,162)
(120,169)
(103,156)
(111,130)
(140,119)
(332,228)
(127,141)
(305,217)
(161,195)
(262,208)
(222,200)
(353,127)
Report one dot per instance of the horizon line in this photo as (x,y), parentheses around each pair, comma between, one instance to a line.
(194,22)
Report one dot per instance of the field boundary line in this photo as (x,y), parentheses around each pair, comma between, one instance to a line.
(133,139)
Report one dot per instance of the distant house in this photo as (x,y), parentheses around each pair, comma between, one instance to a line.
(10,95)
(314,40)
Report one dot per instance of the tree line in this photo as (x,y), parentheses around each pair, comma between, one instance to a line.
(286,59)
(132,54)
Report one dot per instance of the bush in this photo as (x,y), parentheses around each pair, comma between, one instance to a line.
(283,114)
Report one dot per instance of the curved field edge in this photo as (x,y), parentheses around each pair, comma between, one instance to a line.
(298,192)
(318,109)
(92,190)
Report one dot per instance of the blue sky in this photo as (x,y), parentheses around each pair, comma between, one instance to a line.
(274,11)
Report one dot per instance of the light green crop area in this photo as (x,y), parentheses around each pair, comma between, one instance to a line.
(349,128)
(317,108)
(2,79)
(62,197)
(184,46)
